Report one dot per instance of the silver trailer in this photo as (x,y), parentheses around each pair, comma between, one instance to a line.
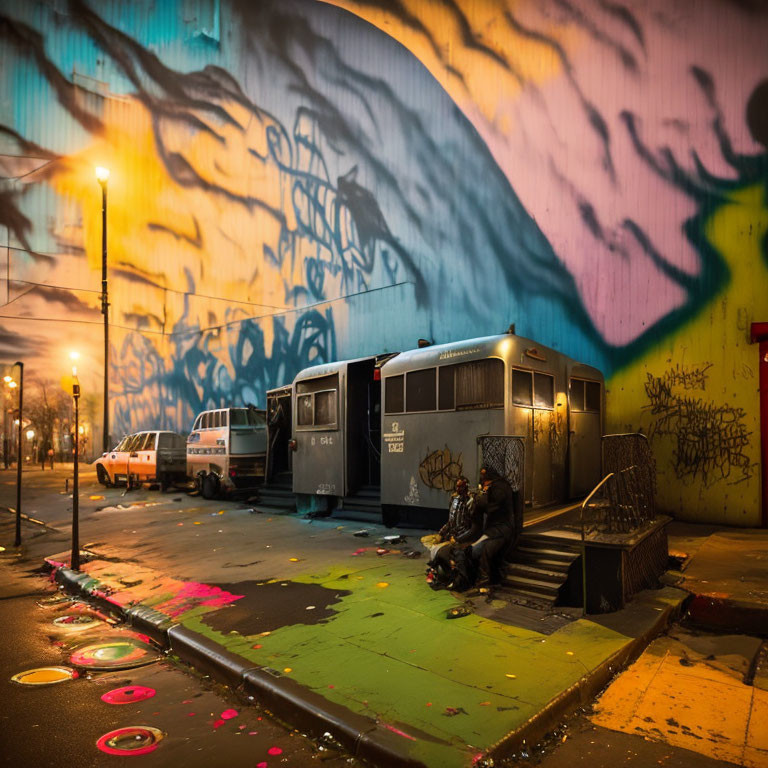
(439,400)
(336,430)
(226,450)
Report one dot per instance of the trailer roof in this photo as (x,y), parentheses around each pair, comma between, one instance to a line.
(505,345)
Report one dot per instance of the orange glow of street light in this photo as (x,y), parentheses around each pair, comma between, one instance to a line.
(12,384)
(102,174)
(7,379)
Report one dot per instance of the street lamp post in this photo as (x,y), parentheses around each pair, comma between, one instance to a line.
(102,174)
(17,540)
(74,561)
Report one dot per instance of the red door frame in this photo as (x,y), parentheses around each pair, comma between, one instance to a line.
(759,333)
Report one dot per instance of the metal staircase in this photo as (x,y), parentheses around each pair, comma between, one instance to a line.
(540,569)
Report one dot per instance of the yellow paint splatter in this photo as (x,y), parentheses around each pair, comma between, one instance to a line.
(197,523)
(293,559)
(569,653)
(287,670)
(511,677)
(383,584)
(95,498)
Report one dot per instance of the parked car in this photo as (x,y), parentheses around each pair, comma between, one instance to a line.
(227,450)
(143,457)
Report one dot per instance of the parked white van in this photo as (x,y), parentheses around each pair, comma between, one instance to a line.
(227,450)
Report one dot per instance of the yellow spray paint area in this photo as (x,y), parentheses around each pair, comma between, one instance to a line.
(695,394)
(688,691)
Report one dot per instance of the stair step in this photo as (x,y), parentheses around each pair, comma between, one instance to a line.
(543,553)
(525,558)
(539,574)
(535,586)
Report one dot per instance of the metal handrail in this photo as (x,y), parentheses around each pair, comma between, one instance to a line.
(584,545)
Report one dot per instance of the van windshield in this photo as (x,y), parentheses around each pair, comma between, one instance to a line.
(246,417)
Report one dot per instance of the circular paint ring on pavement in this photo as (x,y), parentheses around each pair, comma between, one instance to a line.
(133,740)
(128,694)
(113,654)
(44,676)
(77,623)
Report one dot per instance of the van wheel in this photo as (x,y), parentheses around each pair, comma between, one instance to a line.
(210,486)
(103,477)
(164,483)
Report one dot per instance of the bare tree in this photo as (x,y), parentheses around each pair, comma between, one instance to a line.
(49,412)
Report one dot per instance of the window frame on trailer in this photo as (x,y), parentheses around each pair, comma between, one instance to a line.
(532,373)
(584,382)
(314,427)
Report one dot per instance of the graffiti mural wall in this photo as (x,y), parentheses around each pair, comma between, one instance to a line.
(295,182)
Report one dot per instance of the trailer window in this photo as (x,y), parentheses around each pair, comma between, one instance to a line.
(543,390)
(480,384)
(585,395)
(522,388)
(224,418)
(325,408)
(132,442)
(206,420)
(304,410)
(591,396)
(446,393)
(316,403)
(196,425)
(421,390)
(394,394)
(165,441)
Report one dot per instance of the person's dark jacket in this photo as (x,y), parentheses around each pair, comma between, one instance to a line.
(496,514)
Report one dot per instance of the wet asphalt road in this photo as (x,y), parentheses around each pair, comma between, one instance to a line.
(59,725)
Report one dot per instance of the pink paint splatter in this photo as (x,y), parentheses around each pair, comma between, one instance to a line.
(193,594)
(128,694)
(398,731)
(218,724)
(274,751)
(263,764)
(228,714)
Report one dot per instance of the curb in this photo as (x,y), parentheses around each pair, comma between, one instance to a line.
(583,691)
(361,736)
(718,613)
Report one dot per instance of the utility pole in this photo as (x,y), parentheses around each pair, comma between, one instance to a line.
(102,174)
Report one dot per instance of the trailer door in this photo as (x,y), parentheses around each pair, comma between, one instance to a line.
(585,399)
(318,467)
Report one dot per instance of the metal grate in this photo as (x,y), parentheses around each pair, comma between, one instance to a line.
(506,455)
(631,450)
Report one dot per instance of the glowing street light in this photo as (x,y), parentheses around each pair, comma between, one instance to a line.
(30,434)
(7,379)
(102,175)
(12,384)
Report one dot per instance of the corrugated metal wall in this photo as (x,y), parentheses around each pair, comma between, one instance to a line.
(293,182)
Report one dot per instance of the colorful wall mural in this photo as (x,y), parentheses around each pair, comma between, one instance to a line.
(295,182)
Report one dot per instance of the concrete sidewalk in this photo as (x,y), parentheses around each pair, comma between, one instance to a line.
(334,634)
(726,571)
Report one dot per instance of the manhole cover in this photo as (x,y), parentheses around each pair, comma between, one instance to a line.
(123,653)
(77,623)
(133,740)
(44,676)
